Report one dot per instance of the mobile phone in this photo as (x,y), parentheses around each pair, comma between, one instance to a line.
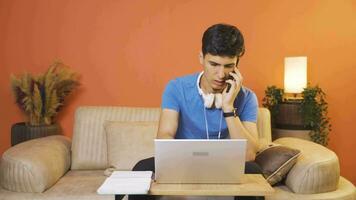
(228,84)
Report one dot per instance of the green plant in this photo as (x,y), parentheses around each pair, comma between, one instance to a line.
(314,110)
(41,97)
(273,97)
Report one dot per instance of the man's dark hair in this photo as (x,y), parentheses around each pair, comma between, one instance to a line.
(223,40)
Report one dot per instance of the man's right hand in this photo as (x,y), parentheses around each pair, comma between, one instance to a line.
(235,86)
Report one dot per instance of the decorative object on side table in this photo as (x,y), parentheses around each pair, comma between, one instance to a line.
(298,110)
(41,97)
(311,114)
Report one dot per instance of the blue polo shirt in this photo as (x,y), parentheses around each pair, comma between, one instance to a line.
(181,95)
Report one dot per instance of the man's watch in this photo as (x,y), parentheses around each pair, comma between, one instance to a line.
(230,114)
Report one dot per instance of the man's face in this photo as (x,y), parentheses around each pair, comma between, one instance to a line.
(216,70)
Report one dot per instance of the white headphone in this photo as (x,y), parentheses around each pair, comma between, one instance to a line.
(210,98)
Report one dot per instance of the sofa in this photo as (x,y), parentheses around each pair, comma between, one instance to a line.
(56,167)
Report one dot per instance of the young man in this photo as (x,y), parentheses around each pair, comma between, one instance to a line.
(212,104)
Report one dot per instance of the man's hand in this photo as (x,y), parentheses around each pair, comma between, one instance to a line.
(228,98)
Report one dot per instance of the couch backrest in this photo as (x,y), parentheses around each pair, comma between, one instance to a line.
(89,146)
(264,126)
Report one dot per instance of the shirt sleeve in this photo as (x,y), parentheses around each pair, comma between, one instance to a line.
(250,109)
(170,97)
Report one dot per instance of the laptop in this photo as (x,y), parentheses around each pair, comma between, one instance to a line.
(199,161)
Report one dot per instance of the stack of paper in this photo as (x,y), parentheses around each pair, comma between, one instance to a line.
(126,182)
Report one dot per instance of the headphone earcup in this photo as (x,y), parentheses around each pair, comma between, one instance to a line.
(208,100)
(218,100)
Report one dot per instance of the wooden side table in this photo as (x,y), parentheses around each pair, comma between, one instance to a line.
(289,122)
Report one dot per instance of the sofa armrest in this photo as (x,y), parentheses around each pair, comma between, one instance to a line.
(317,169)
(35,165)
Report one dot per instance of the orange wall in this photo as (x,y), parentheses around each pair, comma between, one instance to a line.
(126,51)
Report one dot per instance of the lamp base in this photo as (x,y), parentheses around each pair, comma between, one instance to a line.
(293,97)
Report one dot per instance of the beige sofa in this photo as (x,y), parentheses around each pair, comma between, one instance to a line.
(56,168)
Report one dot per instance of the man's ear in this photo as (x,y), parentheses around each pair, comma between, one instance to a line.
(201,58)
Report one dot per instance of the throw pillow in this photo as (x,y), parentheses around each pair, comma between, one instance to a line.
(276,161)
(129,142)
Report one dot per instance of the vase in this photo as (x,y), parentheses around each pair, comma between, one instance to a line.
(21,132)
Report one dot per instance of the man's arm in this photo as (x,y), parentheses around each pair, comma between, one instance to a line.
(237,129)
(168,124)
(244,130)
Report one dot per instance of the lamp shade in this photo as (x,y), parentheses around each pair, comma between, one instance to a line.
(295,74)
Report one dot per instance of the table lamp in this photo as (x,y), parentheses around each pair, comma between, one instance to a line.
(295,80)
(295,77)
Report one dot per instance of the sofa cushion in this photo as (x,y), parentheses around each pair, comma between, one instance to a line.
(74,185)
(35,165)
(317,169)
(79,185)
(276,161)
(345,191)
(129,142)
